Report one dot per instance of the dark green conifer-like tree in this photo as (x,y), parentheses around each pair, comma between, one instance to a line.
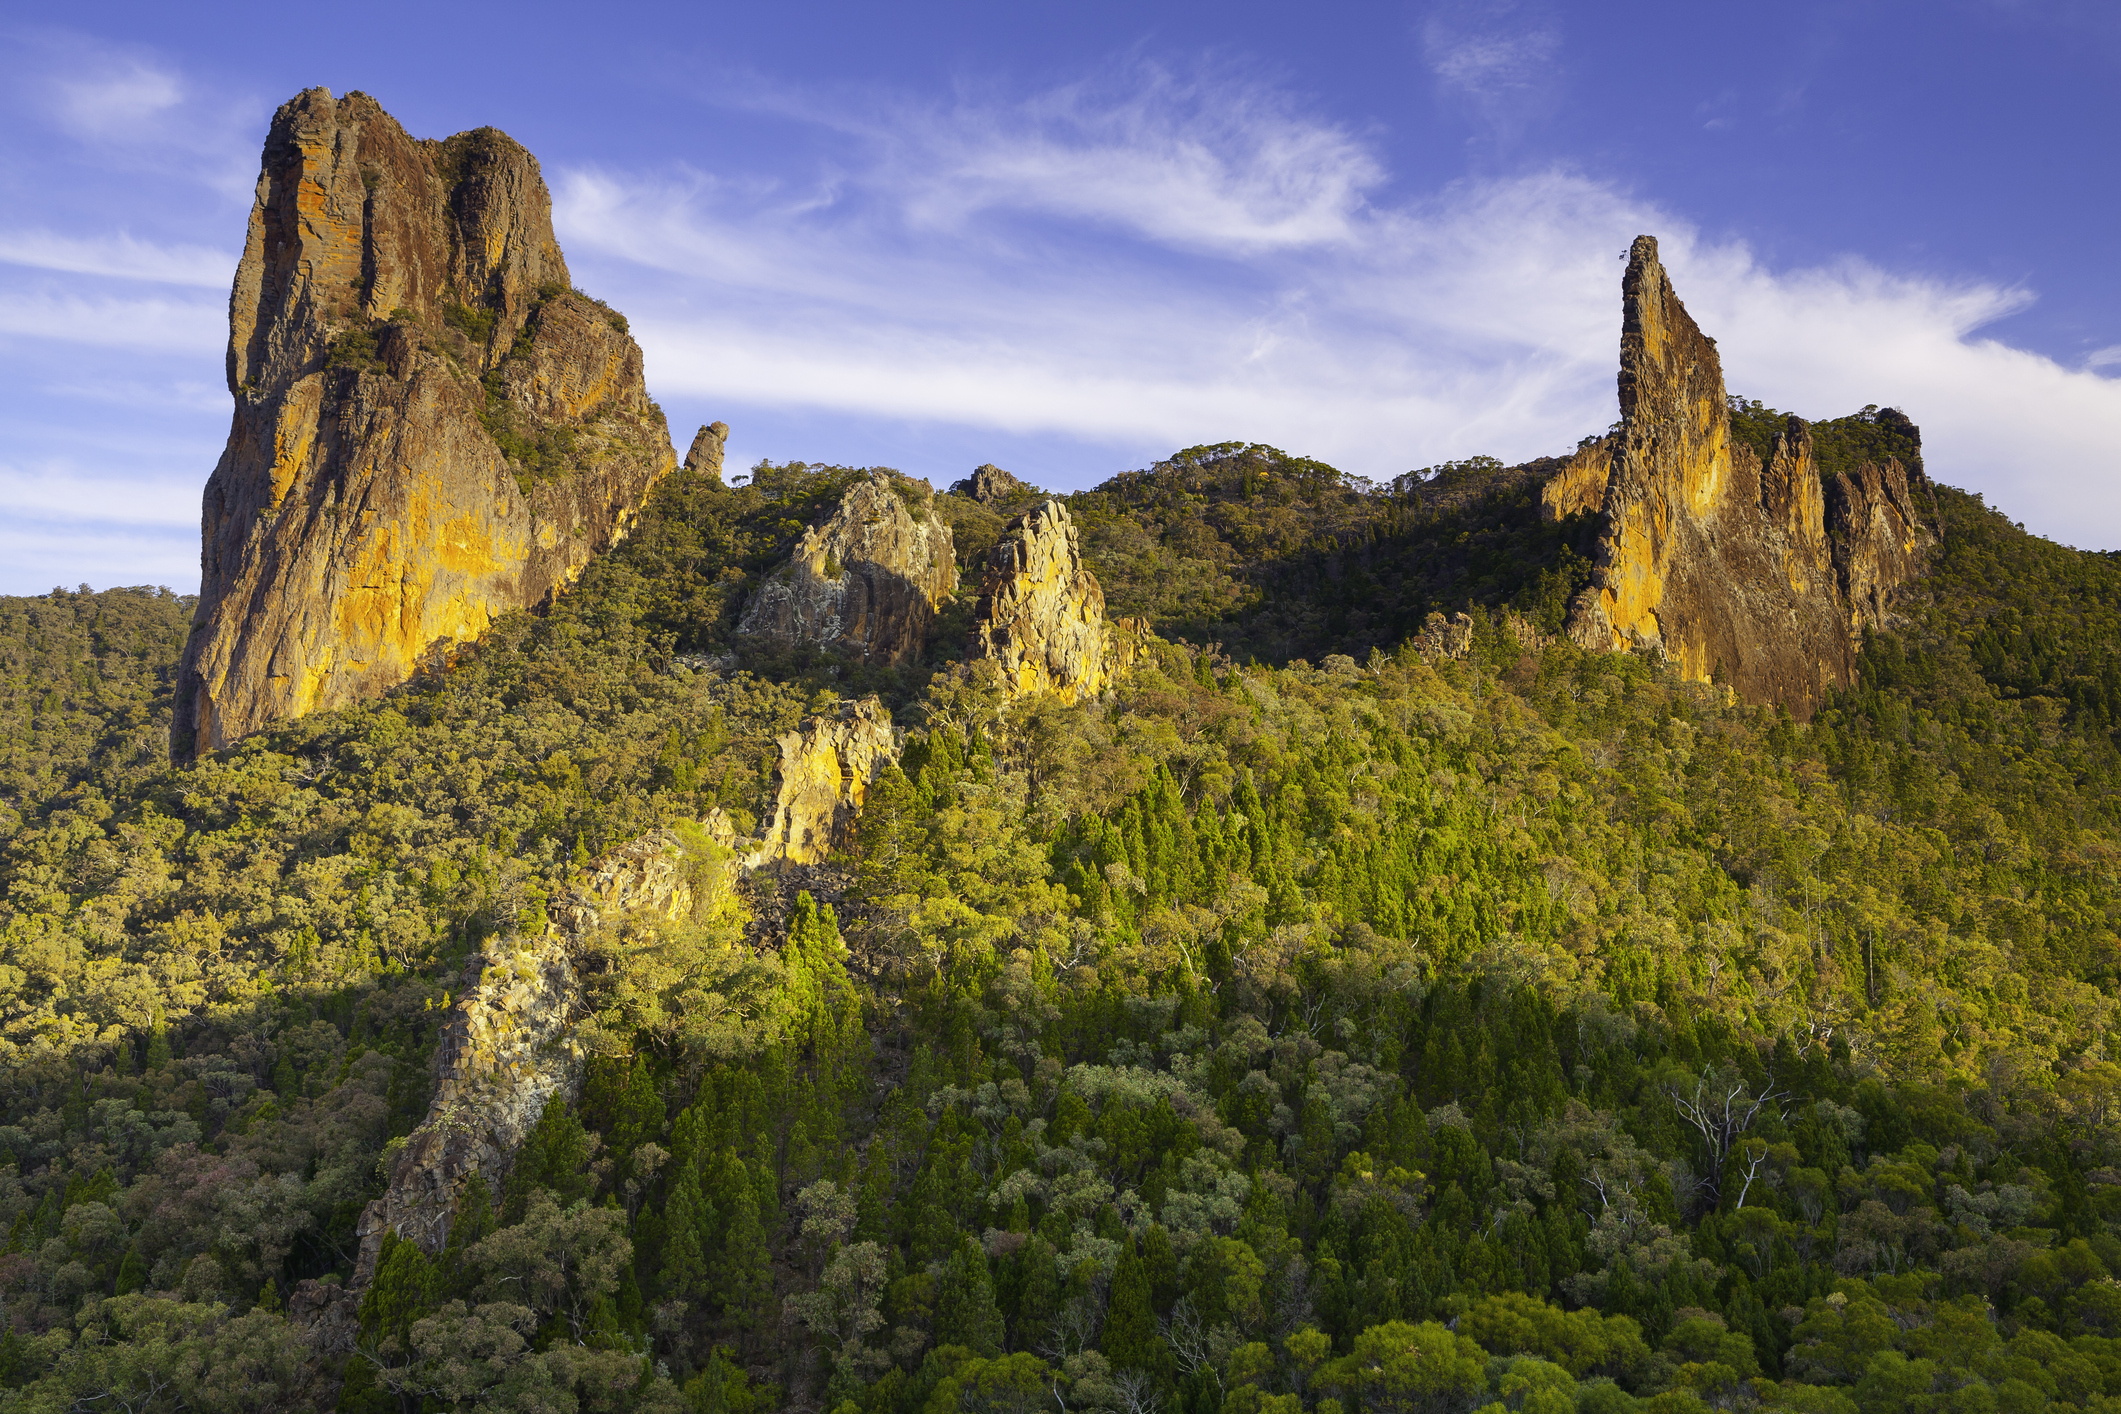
(965,1309)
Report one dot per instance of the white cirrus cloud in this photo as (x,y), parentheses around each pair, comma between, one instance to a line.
(152,325)
(118,255)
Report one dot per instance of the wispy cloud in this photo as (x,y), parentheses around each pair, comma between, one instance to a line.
(156,325)
(119,256)
(1482,318)
(1497,59)
(62,490)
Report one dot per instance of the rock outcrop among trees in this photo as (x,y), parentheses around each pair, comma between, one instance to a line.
(825,769)
(432,427)
(868,581)
(1708,556)
(1041,613)
(1285,970)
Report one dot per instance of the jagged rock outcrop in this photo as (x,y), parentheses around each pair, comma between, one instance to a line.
(1878,540)
(708,444)
(1042,613)
(826,767)
(1579,487)
(1442,638)
(431,427)
(509,1046)
(1719,563)
(868,581)
(991,486)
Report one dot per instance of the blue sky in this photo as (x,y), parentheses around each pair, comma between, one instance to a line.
(1070,239)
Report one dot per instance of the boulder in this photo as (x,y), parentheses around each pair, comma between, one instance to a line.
(431,427)
(705,457)
(868,582)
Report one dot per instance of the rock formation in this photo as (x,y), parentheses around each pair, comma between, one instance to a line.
(1878,540)
(1041,613)
(868,581)
(991,486)
(431,428)
(1579,487)
(826,767)
(1719,563)
(705,458)
(508,1047)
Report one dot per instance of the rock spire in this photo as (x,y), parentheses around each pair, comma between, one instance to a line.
(1042,612)
(1723,565)
(432,428)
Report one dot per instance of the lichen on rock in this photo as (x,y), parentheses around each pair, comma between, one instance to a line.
(1042,613)
(1720,564)
(1579,487)
(868,582)
(825,769)
(431,427)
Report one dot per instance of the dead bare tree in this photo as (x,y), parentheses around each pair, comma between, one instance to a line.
(1721,1107)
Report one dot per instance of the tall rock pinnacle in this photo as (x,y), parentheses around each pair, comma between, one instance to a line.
(1042,612)
(1724,565)
(431,427)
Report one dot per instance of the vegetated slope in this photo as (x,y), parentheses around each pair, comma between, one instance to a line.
(85,680)
(1202,1047)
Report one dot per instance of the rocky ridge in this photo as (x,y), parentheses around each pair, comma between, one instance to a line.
(1042,613)
(1706,556)
(867,582)
(508,1047)
(431,427)
(509,1044)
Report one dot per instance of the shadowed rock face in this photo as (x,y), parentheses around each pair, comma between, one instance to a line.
(399,303)
(1042,613)
(867,582)
(508,1046)
(1724,565)
(1878,540)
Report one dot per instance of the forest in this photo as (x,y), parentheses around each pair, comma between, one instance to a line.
(1309,1026)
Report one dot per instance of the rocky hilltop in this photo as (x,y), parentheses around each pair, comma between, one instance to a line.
(432,428)
(1721,563)
(868,581)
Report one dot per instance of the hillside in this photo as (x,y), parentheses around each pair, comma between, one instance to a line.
(552,930)
(1170,1048)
